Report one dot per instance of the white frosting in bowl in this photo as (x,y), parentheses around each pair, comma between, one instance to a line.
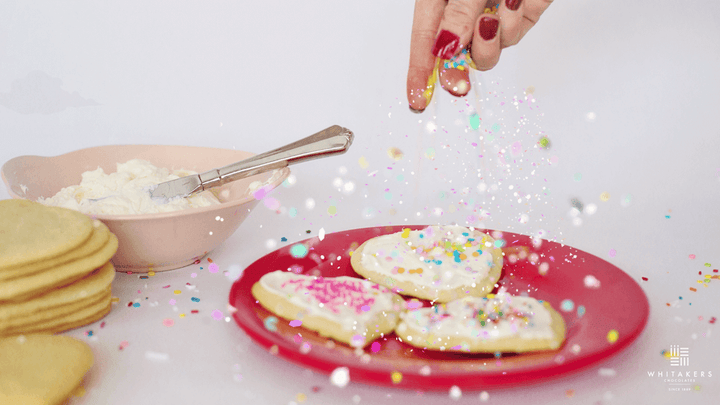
(125,191)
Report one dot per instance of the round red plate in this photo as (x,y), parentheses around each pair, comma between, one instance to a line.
(604,313)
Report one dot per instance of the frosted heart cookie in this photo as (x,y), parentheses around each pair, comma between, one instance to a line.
(347,309)
(497,323)
(41,369)
(438,263)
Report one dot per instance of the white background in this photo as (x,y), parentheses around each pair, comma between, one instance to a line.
(628,94)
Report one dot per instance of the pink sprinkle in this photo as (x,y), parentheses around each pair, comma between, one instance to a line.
(413,304)
(166,286)
(193,275)
(365,308)
(297,338)
(213,268)
(168,322)
(172,301)
(271,203)
(123,344)
(260,193)
(295,323)
(612,252)
(692,257)
(217,314)
(375,347)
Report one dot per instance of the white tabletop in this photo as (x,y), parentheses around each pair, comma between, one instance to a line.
(628,97)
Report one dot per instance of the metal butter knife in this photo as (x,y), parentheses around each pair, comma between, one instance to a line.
(334,140)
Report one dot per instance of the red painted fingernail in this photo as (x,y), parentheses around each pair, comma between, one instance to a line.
(488,27)
(513,4)
(446,45)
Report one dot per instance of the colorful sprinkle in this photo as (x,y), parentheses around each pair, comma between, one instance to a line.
(396,377)
(270,323)
(298,251)
(168,322)
(612,336)
(217,314)
(375,347)
(567,305)
(295,323)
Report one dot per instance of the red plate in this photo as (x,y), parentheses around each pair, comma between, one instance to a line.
(618,304)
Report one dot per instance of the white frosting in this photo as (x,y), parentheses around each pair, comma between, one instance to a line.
(497,317)
(441,257)
(350,302)
(126,191)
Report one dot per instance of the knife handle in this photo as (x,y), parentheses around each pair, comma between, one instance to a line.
(334,140)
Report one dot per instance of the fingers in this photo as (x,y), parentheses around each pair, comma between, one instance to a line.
(486,44)
(456,27)
(517,17)
(420,80)
(511,17)
(454,74)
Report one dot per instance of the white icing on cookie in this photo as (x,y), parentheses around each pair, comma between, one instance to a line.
(440,257)
(494,317)
(352,303)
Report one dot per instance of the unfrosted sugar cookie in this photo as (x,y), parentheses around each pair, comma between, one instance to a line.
(496,323)
(438,263)
(347,309)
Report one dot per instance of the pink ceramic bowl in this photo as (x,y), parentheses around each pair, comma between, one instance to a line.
(148,242)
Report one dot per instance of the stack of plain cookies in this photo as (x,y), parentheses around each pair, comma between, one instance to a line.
(55,270)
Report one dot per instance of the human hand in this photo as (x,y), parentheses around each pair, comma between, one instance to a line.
(445,31)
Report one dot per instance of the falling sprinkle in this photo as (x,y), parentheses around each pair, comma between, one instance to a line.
(455,392)
(177,292)
(567,305)
(217,314)
(612,252)
(213,268)
(156,356)
(168,322)
(692,257)
(195,299)
(475,121)
(295,323)
(607,372)
(363,162)
(612,336)
(270,323)
(581,311)
(591,282)
(375,347)
(395,154)
(298,251)
(645,278)
(340,377)
(396,377)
